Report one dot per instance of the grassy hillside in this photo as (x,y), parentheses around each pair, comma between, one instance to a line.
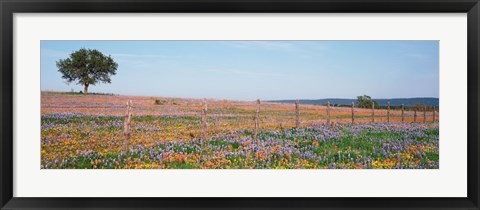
(382,102)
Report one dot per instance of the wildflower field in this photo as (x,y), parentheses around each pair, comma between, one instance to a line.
(79,132)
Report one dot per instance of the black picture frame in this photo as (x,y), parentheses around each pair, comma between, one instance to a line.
(9,7)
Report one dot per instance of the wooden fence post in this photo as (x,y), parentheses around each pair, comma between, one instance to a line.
(415,115)
(403,109)
(425,114)
(127,127)
(373,111)
(204,119)
(328,112)
(297,114)
(388,111)
(433,112)
(353,113)
(257,118)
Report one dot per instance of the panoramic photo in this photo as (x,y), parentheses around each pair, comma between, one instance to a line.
(240,104)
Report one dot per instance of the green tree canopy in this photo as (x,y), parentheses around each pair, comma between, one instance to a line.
(87,67)
(419,106)
(365,101)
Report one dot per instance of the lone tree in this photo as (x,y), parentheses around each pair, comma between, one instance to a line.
(419,106)
(87,67)
(366,101)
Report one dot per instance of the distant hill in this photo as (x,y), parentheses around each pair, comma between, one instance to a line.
(381,102)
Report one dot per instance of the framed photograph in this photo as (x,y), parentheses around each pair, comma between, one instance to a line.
(239,104)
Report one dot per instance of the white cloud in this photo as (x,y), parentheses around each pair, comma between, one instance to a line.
(245,72)
(54,53)
(140,55)
(418,56)
(269,45)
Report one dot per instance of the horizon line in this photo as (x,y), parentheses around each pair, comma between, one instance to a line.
(269,100)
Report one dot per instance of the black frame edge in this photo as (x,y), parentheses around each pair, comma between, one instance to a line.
(8,8)
(473,50)
(240,203)
(6,98)
(241,6)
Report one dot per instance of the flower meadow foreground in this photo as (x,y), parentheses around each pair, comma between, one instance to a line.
(81,141)
(239,104)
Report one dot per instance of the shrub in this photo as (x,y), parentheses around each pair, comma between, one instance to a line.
(165,102)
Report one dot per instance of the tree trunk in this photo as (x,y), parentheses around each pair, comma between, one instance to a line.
(388,111)
(328,112)
(127,132)
(85,89)
(204,119)
(415,115)
(257,118)
(424,113)
(403,110)
(297,113)
(353,113)
(433,112)
(373,112)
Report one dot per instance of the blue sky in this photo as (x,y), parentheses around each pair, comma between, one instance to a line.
(248,70)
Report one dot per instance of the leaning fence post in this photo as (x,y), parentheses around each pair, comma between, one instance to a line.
(328,112)
(415,115)
(373,111)
(257,118)
(297,114)
(425,114)
(388,111)
(127,127)
(403,109)
(204,119)
(353,113)
(433,112)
